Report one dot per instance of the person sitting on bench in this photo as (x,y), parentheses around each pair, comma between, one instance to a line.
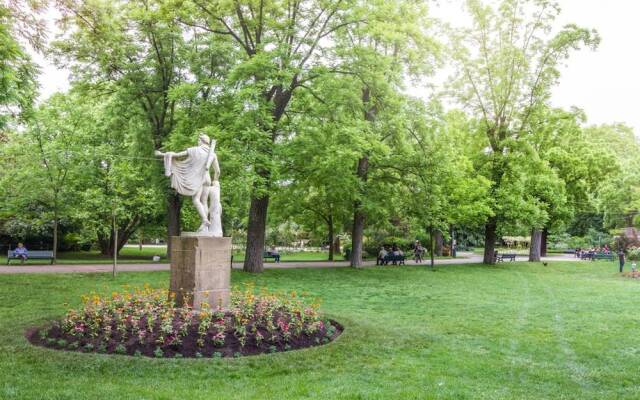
(273,252)
(21,252)
(381,256)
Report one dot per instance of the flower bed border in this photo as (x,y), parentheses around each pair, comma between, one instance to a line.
(187,349)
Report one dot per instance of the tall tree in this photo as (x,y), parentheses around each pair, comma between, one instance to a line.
(285,45)
(133,45)
(316,171)
(390,44)
(618,194)
(560,141)
(506,64)
(441,184)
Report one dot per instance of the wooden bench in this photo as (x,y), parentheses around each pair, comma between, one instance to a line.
(603,256)
(268,254)
(396,260)
(32,255)
(502,257)
(586,256)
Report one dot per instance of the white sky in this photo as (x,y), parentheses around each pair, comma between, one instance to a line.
(604,83)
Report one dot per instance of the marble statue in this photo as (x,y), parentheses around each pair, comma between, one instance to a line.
(189,172)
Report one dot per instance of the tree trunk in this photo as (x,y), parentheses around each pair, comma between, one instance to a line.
(490,241)
(174,204)
(543,245)
(336,245)
(534,249)
(256,228)
(439,243)
(452,243)
(363,169)
(256,234)
(357,237)
(432,246)
(330,238)
(106,243)
(55,237)
(357,233)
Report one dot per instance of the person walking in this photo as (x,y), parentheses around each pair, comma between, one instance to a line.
(417,252)
(621,258)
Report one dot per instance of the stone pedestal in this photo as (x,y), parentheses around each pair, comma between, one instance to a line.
(200,270)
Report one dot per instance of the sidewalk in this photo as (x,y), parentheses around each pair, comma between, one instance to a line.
(466,258)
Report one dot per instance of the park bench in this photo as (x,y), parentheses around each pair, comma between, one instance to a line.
(394,259)
(587,255)
(502,257)
(603,256)
(32,255)
(268,254)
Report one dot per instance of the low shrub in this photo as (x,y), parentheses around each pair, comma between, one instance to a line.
(633,253)
(147,322)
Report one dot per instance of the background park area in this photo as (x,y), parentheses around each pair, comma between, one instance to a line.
(411,212)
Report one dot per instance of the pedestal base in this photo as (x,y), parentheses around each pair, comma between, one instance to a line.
(200,270)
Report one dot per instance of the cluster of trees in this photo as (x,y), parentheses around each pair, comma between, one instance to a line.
(307,99)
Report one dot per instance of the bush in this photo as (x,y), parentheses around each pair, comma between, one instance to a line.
(633,253)
(346,251)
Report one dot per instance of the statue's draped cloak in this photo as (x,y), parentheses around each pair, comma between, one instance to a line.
(188,175)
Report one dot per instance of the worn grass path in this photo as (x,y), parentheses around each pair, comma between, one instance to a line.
(512,331)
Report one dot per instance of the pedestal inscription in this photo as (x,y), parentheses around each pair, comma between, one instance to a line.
(200,270)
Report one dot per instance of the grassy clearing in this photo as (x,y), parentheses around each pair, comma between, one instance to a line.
(513,331)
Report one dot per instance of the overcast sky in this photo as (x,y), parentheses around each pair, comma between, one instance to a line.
(605,83)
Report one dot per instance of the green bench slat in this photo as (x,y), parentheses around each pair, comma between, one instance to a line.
(32,255)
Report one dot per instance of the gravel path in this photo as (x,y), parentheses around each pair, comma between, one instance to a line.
(466,258)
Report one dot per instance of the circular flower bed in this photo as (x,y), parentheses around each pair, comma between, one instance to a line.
(632,274)
(146,322)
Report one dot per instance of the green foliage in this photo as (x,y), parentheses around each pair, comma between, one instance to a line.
(633,254)
(298,96)
(506,65)
(18,86)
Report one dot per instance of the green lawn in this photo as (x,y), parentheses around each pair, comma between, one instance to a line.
(513,331)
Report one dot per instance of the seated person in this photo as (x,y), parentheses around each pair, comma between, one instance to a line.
(395,252)
(381,255)
(273,252)
(21,252)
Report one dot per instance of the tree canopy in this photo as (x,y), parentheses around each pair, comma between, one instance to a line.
(318,138)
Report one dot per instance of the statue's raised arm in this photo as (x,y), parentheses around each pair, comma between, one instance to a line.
(190,177)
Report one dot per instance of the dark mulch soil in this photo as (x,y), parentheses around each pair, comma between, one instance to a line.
(57,339)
